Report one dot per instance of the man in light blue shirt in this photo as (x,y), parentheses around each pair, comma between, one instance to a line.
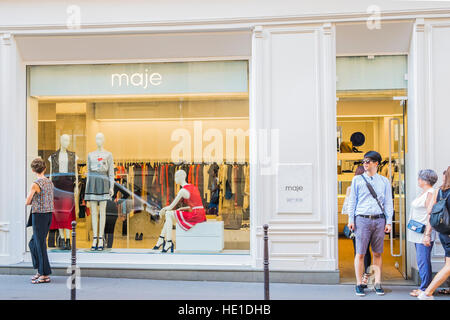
(370,219)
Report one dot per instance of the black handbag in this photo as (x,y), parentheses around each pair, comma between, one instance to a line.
(439,217)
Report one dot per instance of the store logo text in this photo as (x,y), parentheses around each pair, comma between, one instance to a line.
(138,79)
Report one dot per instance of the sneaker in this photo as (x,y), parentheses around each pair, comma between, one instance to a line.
(423,296)
(378,289)
(359,290)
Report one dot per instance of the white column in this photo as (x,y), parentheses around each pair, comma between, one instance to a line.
(12,152)
(428,109)
(294,97)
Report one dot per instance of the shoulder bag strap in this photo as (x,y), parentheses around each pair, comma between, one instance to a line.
(373,193)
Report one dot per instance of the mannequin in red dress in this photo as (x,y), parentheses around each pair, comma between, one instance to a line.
(186,217)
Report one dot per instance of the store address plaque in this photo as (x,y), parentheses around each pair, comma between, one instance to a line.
(294,188)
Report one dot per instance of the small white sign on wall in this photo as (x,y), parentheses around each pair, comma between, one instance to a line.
(294,188)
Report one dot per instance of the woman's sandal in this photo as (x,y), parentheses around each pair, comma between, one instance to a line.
(415,292)
(35,277)
(41,280)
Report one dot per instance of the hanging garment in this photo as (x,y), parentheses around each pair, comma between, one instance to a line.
(188,219)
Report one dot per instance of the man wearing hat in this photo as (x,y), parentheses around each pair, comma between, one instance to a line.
(370,210)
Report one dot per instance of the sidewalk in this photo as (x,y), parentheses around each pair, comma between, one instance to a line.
(19,287)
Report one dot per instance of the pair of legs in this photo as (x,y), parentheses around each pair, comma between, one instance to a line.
(360,268)
(367,256)
(64,233)
(38,246)
(98,208)
(444,273)
(369,232)
(439,278)
(423,256)
(166,232)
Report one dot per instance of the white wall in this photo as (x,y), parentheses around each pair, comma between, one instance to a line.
(12,154)
(428,109)
(294,95)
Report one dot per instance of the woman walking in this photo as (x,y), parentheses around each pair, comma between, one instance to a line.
(420,214)
(40,198)
(444,273)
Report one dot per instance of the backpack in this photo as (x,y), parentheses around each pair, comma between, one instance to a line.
(439,217)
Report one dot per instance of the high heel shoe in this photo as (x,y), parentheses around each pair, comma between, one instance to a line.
(162,244)
(68,247)
(164,250)
(93,248)
(100,248)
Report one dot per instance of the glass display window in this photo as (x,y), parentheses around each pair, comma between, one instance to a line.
(162,166)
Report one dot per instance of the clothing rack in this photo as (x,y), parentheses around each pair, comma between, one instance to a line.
(165,160)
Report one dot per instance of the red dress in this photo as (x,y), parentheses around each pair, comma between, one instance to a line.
(188,219)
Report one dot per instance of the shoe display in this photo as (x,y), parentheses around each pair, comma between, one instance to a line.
(359,290)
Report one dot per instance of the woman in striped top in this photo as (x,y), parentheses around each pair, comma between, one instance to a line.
(40,198)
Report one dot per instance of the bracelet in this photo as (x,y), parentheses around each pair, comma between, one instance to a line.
(426,235)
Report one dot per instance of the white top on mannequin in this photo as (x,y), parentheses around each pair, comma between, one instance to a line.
(102,161)
(63,157)
(180,178)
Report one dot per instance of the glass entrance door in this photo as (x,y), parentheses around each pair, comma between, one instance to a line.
(396,175)
(373,121)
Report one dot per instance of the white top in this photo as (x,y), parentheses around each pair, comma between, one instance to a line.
(345,205)
(418,213)
(63,161)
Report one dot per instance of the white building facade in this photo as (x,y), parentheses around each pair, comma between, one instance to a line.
(291,48)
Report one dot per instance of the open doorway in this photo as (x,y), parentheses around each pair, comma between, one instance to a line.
(370,117)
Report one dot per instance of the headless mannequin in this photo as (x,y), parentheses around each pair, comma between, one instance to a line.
(63,168)
(166,233)
(98,208)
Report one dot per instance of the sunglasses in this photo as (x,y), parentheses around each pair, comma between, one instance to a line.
(367,161)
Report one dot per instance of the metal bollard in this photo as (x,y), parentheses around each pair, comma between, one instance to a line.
(73,292)
(266,263)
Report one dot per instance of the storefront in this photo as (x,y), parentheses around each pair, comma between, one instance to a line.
(260,98)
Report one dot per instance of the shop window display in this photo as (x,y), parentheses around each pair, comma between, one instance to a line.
(135,171)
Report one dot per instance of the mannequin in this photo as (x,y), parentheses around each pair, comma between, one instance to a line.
(186,217)
(99,188)
(64,175)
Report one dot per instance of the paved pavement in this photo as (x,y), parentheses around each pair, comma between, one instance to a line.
(19,287)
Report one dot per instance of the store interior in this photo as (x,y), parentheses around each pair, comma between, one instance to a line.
(150,138)
(372,120)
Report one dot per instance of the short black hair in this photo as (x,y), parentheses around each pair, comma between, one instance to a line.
(374,156)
